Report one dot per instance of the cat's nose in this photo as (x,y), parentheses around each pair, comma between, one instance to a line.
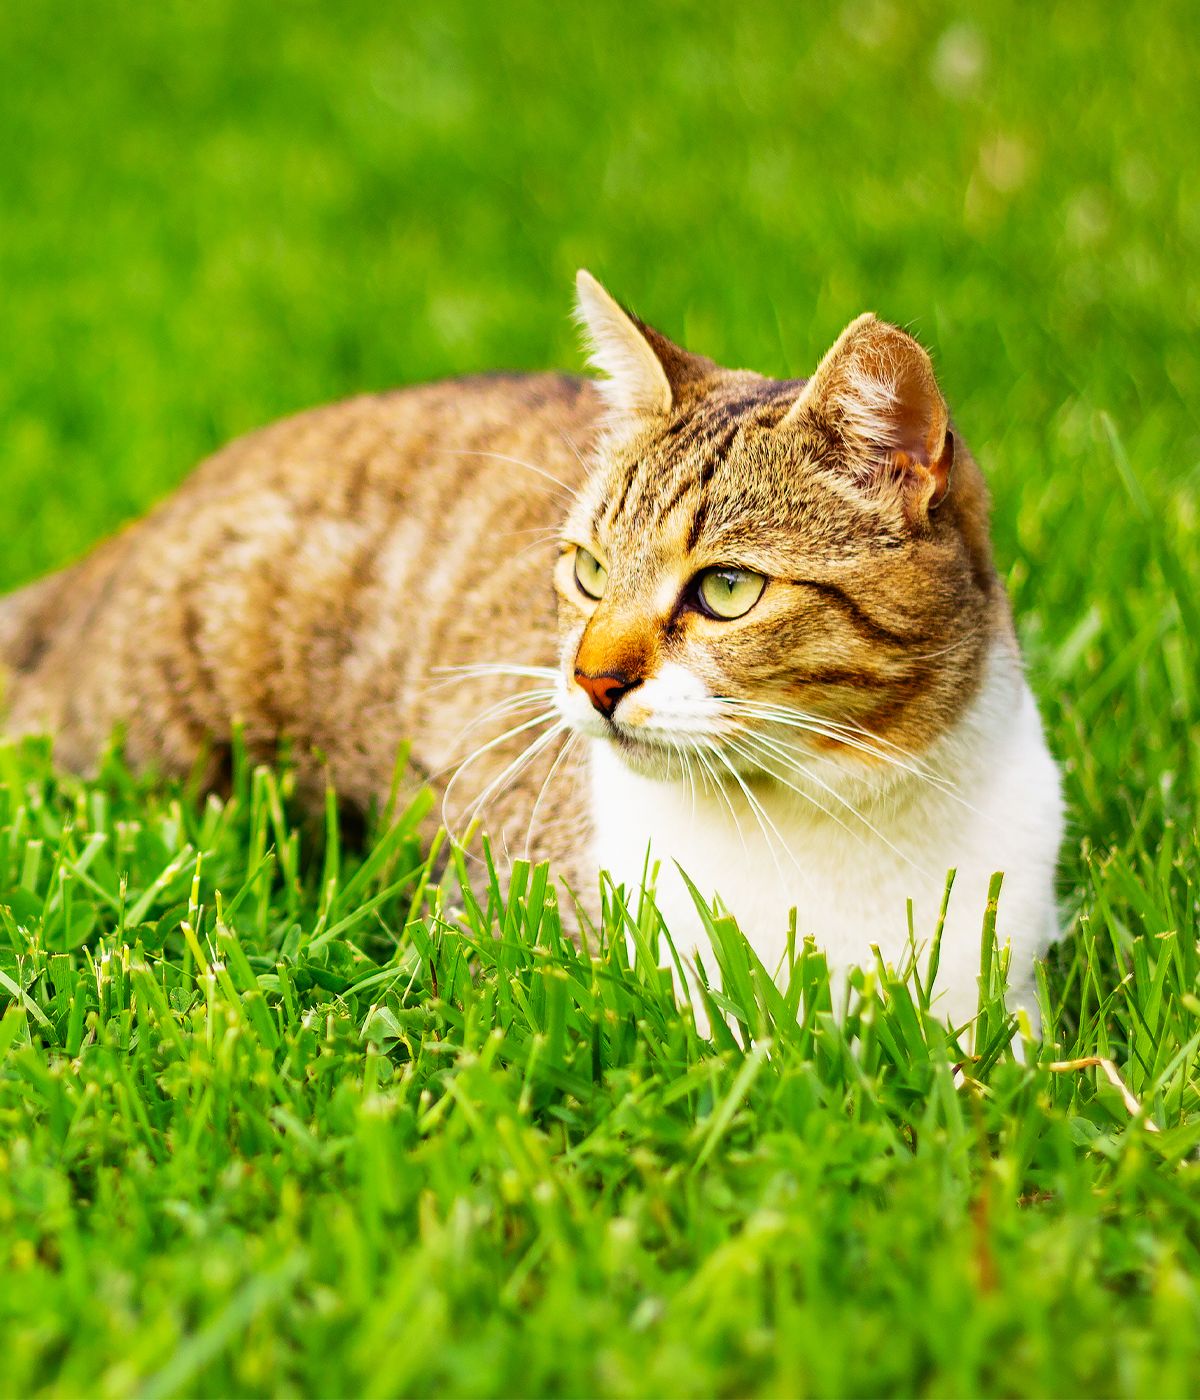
(605,690)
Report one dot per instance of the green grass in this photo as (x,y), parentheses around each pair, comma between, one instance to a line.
(279,1116)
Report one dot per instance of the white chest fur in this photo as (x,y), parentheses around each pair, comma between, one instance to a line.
(994,805)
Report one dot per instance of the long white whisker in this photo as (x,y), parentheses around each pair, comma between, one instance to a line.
(567,744)
(946,650)
(511,704)
(837,797)
(486,748)
(719,786)
(924,774)
(542,543)
(509,775)
(579,457)
(843,730)
(689,778)
(568,493)
(502,710)
(852,741)
(756,758)
(499,668)
(764,820)
(796,719)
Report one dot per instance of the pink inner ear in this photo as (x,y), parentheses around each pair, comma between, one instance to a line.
(876,391)
(914,413)
(893,400)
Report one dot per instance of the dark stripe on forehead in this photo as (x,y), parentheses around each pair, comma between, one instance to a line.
(863,622)
(700,516)
(709,427)
(615,504)
(717,448)
(680,491)
(699,520)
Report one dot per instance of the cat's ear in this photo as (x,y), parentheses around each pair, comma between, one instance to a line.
(643,370)
(876,393)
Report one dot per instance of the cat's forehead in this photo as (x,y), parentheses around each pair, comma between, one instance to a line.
(720,474)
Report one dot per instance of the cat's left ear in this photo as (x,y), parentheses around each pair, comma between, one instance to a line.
(644,371)
(875,391)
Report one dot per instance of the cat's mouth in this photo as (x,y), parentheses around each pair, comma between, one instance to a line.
(669,753)
(654,756)
(633,742)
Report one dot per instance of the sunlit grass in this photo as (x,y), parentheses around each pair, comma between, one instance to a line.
(288,1118)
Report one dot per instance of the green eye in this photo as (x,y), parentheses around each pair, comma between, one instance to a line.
(728,593)
(590,574)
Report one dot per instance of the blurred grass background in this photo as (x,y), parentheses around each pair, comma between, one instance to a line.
(211,215)
(214,215)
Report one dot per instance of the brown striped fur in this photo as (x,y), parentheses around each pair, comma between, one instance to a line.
(316,579)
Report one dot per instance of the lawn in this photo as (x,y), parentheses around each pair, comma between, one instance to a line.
(282,1114)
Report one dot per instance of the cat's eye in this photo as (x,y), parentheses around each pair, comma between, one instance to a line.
(590,573)
(728,593)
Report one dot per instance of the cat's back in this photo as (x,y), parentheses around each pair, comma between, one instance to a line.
(307,578)
(394,438)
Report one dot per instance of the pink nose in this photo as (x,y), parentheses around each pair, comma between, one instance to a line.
(605,690)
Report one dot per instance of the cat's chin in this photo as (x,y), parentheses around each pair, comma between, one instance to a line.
(665,762)
(645,756)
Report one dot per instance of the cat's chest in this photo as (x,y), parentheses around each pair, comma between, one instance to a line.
(763,856)
(851,884)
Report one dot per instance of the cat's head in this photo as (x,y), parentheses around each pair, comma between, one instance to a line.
(760,572)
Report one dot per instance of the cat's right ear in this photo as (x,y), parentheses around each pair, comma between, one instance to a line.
(644,371)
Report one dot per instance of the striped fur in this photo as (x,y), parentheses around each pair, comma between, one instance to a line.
(385,569)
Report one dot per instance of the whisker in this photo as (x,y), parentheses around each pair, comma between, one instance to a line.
(567,744)
(568,493)
(486,748)
(502,709)
(946,650)
(720,790)
(832,729)
(756,759)
(935,780)
(777,715)
(571,446)
(763,820)
(511,705)
(499,668)
(546,531)
(534,544)
(510,774)
(852,741)
(837,797)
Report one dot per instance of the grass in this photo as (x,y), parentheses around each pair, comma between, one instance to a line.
(278,1116)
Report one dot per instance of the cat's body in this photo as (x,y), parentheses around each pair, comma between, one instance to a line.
(334,578)
(303,583)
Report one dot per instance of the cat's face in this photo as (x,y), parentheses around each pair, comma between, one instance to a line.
(760,573)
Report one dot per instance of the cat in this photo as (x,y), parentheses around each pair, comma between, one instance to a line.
(748,628)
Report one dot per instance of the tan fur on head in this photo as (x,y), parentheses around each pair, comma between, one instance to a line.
(879,607)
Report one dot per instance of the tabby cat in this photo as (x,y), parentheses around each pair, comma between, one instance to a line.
(749,626)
